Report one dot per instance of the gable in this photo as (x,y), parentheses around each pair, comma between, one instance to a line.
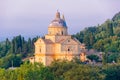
(43,41)
(40,41)
(70,41)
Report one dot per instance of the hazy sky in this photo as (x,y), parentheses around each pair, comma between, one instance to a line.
(32,17)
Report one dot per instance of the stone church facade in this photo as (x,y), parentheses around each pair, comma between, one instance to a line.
(57,44)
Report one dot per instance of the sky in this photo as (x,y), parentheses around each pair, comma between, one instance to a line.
(30,18)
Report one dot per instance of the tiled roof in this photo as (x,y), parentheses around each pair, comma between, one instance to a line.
(47,41)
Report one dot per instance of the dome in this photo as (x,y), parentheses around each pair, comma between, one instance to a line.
(58,22)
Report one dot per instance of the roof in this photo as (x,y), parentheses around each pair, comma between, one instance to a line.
(58,21)
(76,40)
(47,41)
(63,40)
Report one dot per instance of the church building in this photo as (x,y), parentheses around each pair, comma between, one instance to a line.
(57,44)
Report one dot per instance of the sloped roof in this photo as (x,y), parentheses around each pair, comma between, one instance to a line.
(76,40)
(63,40)
(47,41)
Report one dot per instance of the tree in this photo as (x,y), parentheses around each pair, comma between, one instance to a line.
(10,60)
(113,57)
(84,72)
(99,45)
(105,58)
(92,39)
(59,67)
(87,41)
(109,28)
(93,57)
(112,72)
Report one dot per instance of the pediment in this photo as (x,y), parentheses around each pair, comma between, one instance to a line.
(40,41)
(43,41)
(71,41)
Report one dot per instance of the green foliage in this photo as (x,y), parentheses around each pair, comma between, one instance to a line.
(10,60)
(104,58)
(59,67)
(104,37)
(4,47)
(93,57)
(15,50)
(27,72)
(77,60)
(112,72)
(62,70)
(65,70)
(113,57)
(116,17)
(84,72)
(110,58)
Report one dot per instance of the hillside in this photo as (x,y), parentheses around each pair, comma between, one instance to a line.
(104,37)
(13,51)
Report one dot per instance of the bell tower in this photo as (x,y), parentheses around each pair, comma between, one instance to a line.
(57,15)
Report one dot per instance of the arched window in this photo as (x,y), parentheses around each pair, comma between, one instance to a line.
(40,49)
(68,40)
(62,32)
(68,49)
(57,34)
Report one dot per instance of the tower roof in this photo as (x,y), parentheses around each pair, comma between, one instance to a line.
(57,15)
(58,21)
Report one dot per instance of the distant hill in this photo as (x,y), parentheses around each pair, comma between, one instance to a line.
(116,17)
(104,37)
